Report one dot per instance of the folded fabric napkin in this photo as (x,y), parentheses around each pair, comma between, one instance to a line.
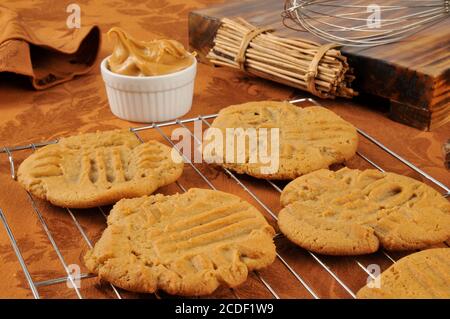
(46,55)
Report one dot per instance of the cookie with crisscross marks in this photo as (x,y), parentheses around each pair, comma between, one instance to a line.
(424,275)
(100,168)
(309,139)
(185,244)
(351,212)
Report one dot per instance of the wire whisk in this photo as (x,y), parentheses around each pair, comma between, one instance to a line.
(363,23)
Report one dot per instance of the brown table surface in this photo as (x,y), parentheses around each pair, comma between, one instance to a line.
(81,105)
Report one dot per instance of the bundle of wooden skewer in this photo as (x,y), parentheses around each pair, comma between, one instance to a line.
(319,69)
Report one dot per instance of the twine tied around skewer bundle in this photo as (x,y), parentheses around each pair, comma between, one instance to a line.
(247,38)
(313,67)
(319,69)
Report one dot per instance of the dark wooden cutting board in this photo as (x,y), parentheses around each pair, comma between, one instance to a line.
(412,76)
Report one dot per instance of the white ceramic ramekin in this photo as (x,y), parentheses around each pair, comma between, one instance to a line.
(150,98)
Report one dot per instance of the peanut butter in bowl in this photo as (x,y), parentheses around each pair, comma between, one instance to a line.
(148,81)
(146,58)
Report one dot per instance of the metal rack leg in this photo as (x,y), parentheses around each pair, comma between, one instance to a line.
(15,246)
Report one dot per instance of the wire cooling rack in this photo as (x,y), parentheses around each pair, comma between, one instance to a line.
(319,260)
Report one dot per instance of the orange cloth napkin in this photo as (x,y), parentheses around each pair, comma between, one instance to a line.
(46,55)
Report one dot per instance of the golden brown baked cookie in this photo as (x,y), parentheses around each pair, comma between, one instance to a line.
(185,244)
(93,169)
(425,274)
(310,138)
(351,212)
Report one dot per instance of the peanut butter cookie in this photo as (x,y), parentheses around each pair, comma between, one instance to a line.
(351,212)
(185,244)
(310,138)
(100,168)
(423,275)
